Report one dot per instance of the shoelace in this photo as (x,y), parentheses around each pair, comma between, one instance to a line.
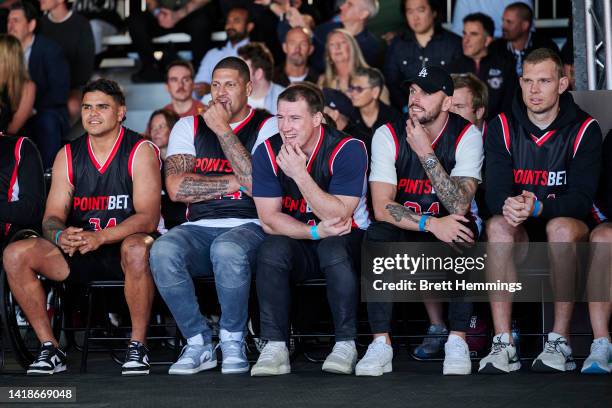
(133,353)
(269,351)
(344,350)
(497,347)
(552,347)
(43,354)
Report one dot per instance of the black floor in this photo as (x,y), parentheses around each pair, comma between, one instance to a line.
(412,384)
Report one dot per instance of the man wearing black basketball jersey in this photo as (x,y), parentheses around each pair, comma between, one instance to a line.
(424,175)
(208,167)
(543,161)
(309,185)
(103,204)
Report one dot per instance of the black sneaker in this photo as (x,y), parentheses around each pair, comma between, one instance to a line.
(136,359)
(50,360)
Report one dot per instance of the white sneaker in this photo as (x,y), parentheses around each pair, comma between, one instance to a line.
(502,358)
(456,357)
(556,357)
(600,359)
(342,359)
(273,360)
(377,360)
(193,359)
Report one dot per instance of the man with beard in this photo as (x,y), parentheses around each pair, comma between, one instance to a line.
(238,26)
(103,204)
(179,84)
(442,152)
(298,48)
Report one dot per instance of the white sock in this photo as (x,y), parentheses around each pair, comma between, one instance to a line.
(380,339)
(455,338)
(197,340)
(277,343)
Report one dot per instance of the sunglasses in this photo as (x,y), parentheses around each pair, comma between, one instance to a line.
(358,89)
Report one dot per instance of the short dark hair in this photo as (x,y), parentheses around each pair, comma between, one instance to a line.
(180,63)
(434,5)
(107,86)
(28,9)
(545,54)
(260,57)
(524,12)
(486,21)
(244,8)
(306,91)
(236,64)
(375,77)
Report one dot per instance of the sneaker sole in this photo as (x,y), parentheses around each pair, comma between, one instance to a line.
(490,368)
(129,373)
(457,370)
(259,372)
(540,367)
(188,371)
(336,369)
(42,373)
(373,372)
(595,368)
(238,370)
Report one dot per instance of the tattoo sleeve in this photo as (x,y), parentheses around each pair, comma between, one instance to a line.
(238,156)
(50,226)
(456,193)
(399,212)
(193,187)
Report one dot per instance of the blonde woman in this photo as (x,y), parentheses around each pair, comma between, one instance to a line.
(17,91)
(342,58)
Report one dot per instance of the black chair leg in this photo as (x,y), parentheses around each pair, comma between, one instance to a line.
(90,295)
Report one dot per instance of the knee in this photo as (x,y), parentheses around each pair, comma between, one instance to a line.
(231,264)
(379,232)
(135,255)
(563,229)
(332,250)
(498,230)
(602,233)
(15,258)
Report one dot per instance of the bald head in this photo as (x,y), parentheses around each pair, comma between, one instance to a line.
(298,46)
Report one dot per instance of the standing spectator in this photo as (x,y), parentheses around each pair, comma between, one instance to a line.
(17,91)
(426,43)
(261,64)
(298,48)
(494,9)
(518,38)
(49,70)
(238,26)
(495,70)
(194,17)
(179,84)
(72,32)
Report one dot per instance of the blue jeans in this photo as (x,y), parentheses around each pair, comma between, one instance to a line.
(188,251)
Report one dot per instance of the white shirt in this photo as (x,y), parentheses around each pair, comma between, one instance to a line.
(468,156)
(181,142)
(213,57)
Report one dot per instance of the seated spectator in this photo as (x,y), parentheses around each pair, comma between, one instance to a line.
(85,240)
(179,84)
(495,70)
(17,91)
(22,199)
(518,37)
(160,124)
(339,108)
(494,9)
(425,43)
(297,48)
(353,17)
(470,99)
(365,91)
(322,240)
(525,209)
(238,26)
(50,72)
(72,32)
(103,19)
(261,64)
(194,17)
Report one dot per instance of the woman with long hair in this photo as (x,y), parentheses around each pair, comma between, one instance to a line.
(17,91)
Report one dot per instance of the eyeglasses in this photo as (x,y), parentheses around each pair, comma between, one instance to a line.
(358,89)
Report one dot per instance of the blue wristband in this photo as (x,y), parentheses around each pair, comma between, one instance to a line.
(536,208)
(314,233)
(243,189)
(422,222)
(57,235)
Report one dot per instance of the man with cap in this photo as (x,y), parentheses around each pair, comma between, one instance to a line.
(340,109)
(441,152)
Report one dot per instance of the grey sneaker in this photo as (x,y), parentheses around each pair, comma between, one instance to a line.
(193,359)
(433,343)
(502,359)
(556,357)
(273,360)
(342,359)
(233,351)
(377,360)
(600,359)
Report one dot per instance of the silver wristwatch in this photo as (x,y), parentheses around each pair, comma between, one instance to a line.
(430,163)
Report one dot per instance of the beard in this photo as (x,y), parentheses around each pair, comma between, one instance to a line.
(428,116)
(296,59)
(236,36)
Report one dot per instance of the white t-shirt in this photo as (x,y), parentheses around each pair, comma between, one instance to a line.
(181,142)
(468,156)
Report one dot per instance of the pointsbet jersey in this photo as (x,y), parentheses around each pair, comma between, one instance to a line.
(338,165)
(103,191)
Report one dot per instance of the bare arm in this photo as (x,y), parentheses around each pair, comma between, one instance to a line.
(456,193)
(25,108)
(239,158)
(275,222)
(184,186)
(325,205)
(190,7)
(387,210)
(59,200)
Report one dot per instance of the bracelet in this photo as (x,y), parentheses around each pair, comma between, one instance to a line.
(422,222)
(243,189)
(536,208)
(57,235)
(314,234)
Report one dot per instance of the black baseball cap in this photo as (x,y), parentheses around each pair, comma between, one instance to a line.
(337,100)
(432,79)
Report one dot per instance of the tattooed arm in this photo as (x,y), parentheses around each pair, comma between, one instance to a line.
(387,210)
(456,193)
(184,186)
(239,158)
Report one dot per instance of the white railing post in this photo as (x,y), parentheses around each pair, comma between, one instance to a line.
(608,42)
(590,46)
